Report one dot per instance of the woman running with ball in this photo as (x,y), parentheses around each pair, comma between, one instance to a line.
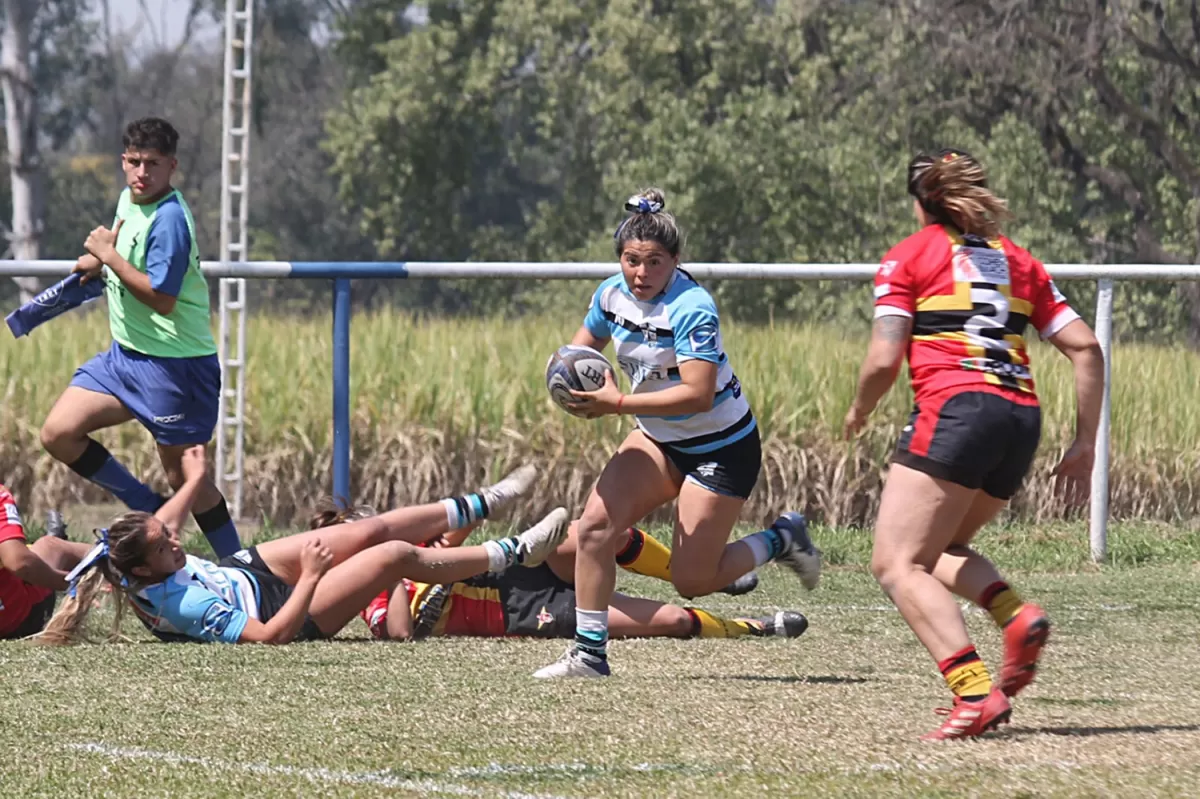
(696,437)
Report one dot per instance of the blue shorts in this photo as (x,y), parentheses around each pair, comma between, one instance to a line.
(174,398)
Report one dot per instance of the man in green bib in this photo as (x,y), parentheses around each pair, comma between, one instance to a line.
(162,367)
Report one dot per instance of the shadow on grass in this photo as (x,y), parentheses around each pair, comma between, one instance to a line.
(1088,732)
(826,679)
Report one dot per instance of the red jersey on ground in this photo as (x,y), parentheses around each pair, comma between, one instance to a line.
(471,610)
(17,597)
(970,301)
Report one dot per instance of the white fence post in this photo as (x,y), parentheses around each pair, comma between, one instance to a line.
(1104,331)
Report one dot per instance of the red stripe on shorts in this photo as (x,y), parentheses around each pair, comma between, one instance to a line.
(926,424)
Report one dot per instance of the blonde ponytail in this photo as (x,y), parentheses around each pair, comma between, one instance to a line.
(66,626)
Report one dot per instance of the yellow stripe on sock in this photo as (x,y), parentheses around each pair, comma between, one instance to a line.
(654,559)
(971,679)
(712,626)
(1005,606)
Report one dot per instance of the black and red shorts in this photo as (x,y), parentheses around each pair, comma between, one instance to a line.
(535,602)
(975,439)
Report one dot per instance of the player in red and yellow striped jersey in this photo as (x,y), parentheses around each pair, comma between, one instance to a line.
(539,602)
(956,298)
(29,575)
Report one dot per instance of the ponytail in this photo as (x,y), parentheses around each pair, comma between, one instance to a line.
(951,187)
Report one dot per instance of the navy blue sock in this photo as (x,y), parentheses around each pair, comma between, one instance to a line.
(218,528)
(98,465)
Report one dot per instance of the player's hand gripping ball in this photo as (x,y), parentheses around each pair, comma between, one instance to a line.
(574,368)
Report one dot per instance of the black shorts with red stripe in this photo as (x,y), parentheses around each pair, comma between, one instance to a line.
(976,439)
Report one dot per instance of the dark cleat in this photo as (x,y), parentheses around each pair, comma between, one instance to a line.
(785,624)
(742,585)
(56,525)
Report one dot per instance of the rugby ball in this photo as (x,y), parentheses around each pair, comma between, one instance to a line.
(574,368)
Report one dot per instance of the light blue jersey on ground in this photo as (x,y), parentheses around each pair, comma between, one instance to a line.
(202,601)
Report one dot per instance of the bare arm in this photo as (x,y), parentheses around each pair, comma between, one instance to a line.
(285,625)
(89,265)
(1072,476)
(399,618)
(454,538)
(101,245)
(175,510)
(1079,344)
(693,394)
(890,336)
(18,558)
(139,286)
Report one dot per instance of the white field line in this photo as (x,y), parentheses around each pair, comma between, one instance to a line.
(499,769)
(853,608)
(383,780)
(314,775)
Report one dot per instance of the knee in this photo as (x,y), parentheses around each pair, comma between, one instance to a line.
(53,434)
(890,570)
(885,570)
(399,554)
(595,533)
(691,586)
(678,621)
(174,475)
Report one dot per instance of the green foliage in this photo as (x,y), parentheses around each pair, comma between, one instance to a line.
(513,129)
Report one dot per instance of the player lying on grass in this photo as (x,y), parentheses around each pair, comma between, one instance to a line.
(30,574)
(696,441)
(536,602)
(303,587)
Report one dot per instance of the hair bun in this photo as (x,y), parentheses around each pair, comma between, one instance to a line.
(654,196)
(649,201)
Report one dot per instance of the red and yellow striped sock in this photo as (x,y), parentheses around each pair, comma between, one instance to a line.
(1001,602)
(966,675)
(645,554)
(708,625)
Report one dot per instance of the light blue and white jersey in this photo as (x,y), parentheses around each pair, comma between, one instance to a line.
(652,338)
(202,601)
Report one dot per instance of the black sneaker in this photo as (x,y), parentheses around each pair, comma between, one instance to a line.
(785,623)
(56,525)
(742,585)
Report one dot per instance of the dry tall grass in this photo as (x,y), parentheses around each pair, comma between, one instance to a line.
(442,405)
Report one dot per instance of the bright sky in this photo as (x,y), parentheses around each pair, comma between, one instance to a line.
(163,23)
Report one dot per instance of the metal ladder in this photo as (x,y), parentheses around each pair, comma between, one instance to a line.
(235,184)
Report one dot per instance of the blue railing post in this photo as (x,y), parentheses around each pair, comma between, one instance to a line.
(341,390)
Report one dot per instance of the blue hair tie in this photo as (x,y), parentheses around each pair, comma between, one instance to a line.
(637,205)
(94,556)
(640,205)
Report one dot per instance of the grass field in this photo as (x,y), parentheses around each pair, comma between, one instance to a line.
(835,712)
(440,404)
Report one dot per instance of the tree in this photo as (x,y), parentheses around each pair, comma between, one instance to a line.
(1108,92)
(43,48)
(780,130)
(21,129)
